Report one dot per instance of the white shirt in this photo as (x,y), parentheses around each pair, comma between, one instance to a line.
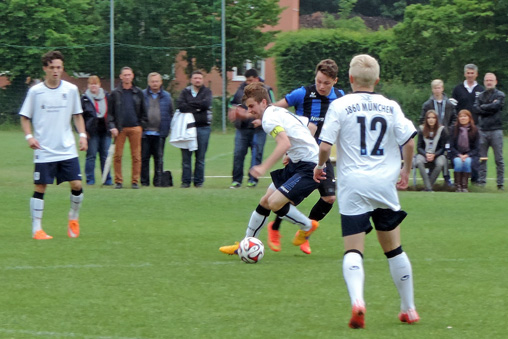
(303,145)
(368,130)
(51,111)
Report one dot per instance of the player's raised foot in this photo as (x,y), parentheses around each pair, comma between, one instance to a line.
(305,247)
(73,229)
(410,316)
(357,317)
(231,249)
(41,235)
(273,238)
(302,236)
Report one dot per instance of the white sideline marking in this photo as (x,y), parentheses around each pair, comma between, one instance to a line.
(71,266)
(59,334)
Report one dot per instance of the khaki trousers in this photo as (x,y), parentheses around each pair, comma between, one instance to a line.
(134,135)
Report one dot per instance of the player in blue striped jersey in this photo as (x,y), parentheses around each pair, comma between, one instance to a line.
(312,102)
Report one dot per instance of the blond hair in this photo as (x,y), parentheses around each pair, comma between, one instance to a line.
(364,69)
(436,82)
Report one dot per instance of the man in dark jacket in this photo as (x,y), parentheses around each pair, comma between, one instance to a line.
(126,119)
(465,95)
(159,109)
(196,99)
(489,108)
(249,132)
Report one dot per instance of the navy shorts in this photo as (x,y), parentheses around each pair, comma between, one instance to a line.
(383,219)
(295,181)
(65,170)
(328,186)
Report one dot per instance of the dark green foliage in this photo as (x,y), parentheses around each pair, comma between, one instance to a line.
(298,53)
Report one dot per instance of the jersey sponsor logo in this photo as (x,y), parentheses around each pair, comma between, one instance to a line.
(318,119)
(312,95)
(276,131)
(64,96)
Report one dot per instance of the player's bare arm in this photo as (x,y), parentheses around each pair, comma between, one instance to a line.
(324,153)
(282,103)
(26,125)
(283,145)
(407,156)
(79,122)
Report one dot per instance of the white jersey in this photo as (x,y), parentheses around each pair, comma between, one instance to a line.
(51,110)
(368,130)
(303,145)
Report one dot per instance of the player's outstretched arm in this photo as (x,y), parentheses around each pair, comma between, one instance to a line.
(79,122)
(283,145)
(407,156)
(324,154)
(26,125)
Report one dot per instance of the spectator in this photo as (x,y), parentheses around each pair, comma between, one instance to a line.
(249,132)
(127,118)
(369,130)
(446,114)
(48,108)
(95,111)
(196,99)
(312,101)
(464,143)
(489,107)
(159,109)
(440,103)
(465,95)
(432,139)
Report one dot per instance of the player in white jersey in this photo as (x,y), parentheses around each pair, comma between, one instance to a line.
(369,130)
(291,184)
(49,108)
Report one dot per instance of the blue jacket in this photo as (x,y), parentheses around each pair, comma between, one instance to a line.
(166,106)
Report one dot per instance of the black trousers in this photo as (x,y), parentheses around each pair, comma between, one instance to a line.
(152,146)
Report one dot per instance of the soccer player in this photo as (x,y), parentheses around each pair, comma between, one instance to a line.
(312,102)
(48,108)
(369,130)
(291,184)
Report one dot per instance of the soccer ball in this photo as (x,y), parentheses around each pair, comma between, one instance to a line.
(251,250)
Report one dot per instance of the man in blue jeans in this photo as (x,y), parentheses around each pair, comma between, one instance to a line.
(196,99)
(249,133)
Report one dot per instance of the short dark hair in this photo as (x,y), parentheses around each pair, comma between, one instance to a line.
(328,67)
(196,72)
(126,68)
(50,56)
(251,73)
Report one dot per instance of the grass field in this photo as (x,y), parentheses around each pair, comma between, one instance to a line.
(147,263)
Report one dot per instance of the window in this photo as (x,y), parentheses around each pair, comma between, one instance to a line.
(238,72)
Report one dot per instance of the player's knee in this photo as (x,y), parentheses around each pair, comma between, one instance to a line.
(329,199)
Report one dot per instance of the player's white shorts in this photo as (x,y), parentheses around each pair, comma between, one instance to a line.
(359,193)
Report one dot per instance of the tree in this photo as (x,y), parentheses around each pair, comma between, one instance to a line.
(28,28)
(437,40)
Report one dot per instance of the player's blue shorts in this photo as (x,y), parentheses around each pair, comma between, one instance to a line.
(65,170)
(295,181)
(383,219)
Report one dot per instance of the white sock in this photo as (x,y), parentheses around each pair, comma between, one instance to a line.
(402,275)
(76,201)
(36,210)
(296,217)
(256,224)
(354,275)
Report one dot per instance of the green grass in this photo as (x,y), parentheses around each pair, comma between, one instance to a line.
(147,263)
